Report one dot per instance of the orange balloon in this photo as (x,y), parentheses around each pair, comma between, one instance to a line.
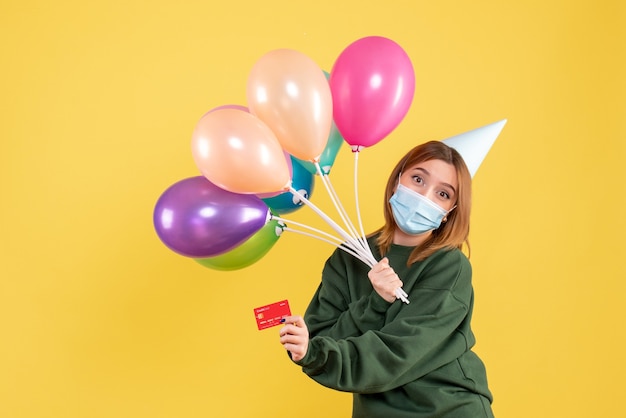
(236,151)
(289,92)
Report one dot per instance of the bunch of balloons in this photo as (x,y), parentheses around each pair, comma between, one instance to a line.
(260,161)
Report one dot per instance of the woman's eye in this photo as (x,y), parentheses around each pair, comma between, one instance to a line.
(444,195)
(418,179)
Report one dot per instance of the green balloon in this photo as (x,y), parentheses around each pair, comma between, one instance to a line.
(249,252)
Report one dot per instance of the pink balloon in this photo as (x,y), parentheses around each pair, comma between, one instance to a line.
(288,91)
(290,167)
(230,106)
(286,154)
(239,153)
(372,83)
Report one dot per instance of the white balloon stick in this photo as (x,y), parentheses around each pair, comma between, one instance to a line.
(335,199)
(353,242)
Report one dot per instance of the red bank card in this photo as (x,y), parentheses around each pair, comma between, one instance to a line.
(270,315)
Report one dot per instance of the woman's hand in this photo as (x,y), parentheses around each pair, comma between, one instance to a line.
(294,336)
(384,280)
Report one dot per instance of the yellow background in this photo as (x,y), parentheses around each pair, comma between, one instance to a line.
(98,100)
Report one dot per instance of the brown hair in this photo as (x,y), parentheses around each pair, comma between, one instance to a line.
(451,234)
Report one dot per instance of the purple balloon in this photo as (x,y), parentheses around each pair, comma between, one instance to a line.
(196,218)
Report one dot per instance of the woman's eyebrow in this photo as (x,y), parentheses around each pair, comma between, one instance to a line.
(450,186)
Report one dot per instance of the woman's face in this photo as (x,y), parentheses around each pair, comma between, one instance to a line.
(434,179)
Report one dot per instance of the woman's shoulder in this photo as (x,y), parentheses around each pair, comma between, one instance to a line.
(447,267)
(449,255)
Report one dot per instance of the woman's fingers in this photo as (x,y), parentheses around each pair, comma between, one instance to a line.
(381,265)
(385,280)
(294,336)
(296,320)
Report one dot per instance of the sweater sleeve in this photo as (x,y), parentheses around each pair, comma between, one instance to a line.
(422,337)
(330,314)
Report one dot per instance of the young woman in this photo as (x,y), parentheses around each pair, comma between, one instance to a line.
(402,360)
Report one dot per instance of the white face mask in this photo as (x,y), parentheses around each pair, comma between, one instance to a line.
(414,213)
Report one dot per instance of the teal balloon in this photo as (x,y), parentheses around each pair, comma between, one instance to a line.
(328,156)
(249,252)
(302,180)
